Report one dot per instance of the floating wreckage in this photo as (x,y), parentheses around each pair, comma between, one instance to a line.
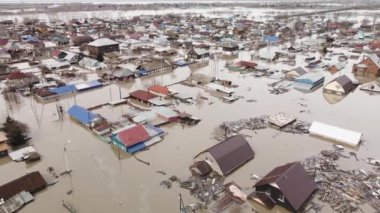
(338,134)
(280,121)
(343,190)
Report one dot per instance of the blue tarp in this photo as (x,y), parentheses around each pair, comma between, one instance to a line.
(271,38)
(82,114)
(63,89)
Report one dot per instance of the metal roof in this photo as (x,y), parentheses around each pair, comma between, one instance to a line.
(293,181)
(102,42)
(32,182)
(82,115)
(231,153)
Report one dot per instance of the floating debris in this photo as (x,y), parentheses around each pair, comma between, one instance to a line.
(262,122)
(343,190)
(161,172)
(166,183)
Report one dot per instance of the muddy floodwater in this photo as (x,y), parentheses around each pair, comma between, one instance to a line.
(105,179)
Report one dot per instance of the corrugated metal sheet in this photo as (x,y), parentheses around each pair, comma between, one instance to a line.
(82,115)
(335,133)
(32,182)
(231,153)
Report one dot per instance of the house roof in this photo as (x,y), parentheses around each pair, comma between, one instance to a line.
(375,59)
(346,83)
(3,136)
(159,89)
(299,70)
(133,135)
(231,153)
(293,181)
(121,73)
(102,42)
(32,182)
(82,39)
(142,95)
(17,75)
(82,114)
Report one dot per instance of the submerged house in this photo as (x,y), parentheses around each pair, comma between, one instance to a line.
(309,81)
(198,53)
(83,116)
(228,155)
(341,85)
(295,73)
(369,66)
(336,67)
(288,185)
(136,137)
(32,183)
(101,46)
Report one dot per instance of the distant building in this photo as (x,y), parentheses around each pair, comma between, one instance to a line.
(103,45)
(369,66)
(197,53)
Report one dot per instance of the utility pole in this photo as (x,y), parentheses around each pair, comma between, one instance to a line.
(68,170)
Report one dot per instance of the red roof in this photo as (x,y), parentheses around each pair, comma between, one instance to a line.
(3,42)
(248,63)
(17,75)
(55,53)
(159,89)
(134,135)
(142,95)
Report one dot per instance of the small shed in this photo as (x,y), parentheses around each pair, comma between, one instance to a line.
(228,155)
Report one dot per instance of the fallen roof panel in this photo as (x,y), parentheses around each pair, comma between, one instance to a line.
(335,133)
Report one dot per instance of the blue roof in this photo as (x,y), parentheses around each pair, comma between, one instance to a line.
(271,38)
(63,89)
(82,114)
(136,148)
(310,78)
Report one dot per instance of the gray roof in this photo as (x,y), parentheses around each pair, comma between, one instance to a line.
(346,83)
(102,42)
(231,153)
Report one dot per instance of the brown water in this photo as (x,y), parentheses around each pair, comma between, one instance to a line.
(104,183)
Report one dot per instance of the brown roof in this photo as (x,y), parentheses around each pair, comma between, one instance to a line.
(32,182)
(142,95)
(231,153)
(293,181)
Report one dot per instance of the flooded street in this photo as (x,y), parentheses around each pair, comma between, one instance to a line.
(102,182)
(107,179)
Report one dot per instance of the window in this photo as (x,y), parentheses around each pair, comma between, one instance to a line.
(268,192)
(281,198)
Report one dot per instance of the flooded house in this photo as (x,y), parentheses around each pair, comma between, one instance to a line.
(295,73)
(142,96)
(198,53)
(101,46)
(230,47)
(136,137)
(3,144)
(309,82)
(159,90)
(336,67)
(122,74)
(288,185)
(242,66)
(340,85)
(83,116)
(153,66)
(32,183)
(369,66)
(80,40)
(228,155)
